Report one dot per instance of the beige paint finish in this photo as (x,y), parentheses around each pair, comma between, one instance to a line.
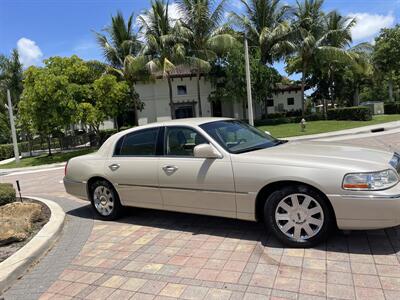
(135,180)
(228,186)
(198,184)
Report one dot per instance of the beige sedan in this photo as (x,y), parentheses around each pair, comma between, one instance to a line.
(224,167)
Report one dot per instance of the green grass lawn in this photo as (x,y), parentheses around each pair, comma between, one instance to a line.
(314,127)
(45,159)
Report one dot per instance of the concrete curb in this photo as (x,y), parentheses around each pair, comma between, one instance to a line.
(31,169)
(16,265)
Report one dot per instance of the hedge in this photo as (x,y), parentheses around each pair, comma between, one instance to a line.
(287,120)
(7,193)
(356,113)
(7,150)
(392,108)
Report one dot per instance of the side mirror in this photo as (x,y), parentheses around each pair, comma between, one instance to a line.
(206,151)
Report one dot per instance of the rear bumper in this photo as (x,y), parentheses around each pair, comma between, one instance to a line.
(366,211)
(76,188)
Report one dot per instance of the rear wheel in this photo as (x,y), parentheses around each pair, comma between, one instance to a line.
(298,216)
(105,200)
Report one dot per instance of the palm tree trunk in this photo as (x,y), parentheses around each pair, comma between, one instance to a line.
(171,100)
(198,94)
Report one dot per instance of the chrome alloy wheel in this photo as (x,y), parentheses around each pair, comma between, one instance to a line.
(103,200)
(299,217)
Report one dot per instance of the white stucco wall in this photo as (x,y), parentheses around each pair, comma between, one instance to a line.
(281,98)
(155,96)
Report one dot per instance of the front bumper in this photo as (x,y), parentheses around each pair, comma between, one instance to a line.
(363,211)
(76,188)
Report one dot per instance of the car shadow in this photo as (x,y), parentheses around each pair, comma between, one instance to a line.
(376,242)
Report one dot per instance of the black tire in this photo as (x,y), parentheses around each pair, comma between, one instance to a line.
(116,210)
(270,209)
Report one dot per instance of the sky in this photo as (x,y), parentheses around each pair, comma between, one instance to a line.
(43,28)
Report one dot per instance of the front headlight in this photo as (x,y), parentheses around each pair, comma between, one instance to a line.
(370,181)
(395,161)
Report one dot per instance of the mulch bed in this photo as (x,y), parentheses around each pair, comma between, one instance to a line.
(8,250)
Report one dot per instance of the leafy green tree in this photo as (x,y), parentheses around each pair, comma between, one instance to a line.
(45,102)
(386,55)
(120,47)
(108,99)
(10,79)
(228,78)
(207,38)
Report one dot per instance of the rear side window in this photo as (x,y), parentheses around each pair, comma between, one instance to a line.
(141,143)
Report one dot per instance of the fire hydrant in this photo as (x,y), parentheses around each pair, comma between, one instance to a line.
(303,125)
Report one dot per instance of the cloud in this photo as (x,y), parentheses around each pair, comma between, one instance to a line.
(30,53)
(369,25)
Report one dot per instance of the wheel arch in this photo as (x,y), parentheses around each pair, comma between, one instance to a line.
(263,194)
(93,180)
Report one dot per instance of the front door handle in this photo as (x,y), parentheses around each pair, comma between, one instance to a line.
(114,167)
(170,169)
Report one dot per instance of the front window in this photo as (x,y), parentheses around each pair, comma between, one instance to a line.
(239,137)
(180,141)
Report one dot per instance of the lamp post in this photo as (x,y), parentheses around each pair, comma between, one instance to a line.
(248,83)
(12,124)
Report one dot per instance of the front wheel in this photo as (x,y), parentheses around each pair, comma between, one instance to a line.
(298,216)
(105,200)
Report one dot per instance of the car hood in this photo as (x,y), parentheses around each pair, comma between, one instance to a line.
(320,154)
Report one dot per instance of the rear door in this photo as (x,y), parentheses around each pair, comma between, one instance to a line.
(133,168)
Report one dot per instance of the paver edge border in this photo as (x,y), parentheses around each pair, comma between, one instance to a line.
(14,266)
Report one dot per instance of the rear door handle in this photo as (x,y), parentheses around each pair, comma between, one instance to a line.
(114,167)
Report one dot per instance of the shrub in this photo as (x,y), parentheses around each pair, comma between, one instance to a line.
(357,113)
(7,150)
(287,120)
(7,193)
(392,108)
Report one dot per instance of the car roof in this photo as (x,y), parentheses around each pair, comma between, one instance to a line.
(178,122)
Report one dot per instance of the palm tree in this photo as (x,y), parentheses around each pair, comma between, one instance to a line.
(164,43)
(265,24)
(311,44)
(119,43)
(339,29)
(362,68)
(206,37)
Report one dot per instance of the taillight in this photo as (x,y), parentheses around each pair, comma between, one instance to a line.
(65,169)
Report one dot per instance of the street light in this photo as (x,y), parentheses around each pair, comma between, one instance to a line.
(12,124)
(248,83)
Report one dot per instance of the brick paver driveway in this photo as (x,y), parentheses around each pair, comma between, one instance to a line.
(152,254)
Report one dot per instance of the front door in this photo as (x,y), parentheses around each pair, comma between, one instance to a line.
(194,185)
(133,169)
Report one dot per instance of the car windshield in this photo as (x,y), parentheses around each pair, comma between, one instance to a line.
(239,137)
